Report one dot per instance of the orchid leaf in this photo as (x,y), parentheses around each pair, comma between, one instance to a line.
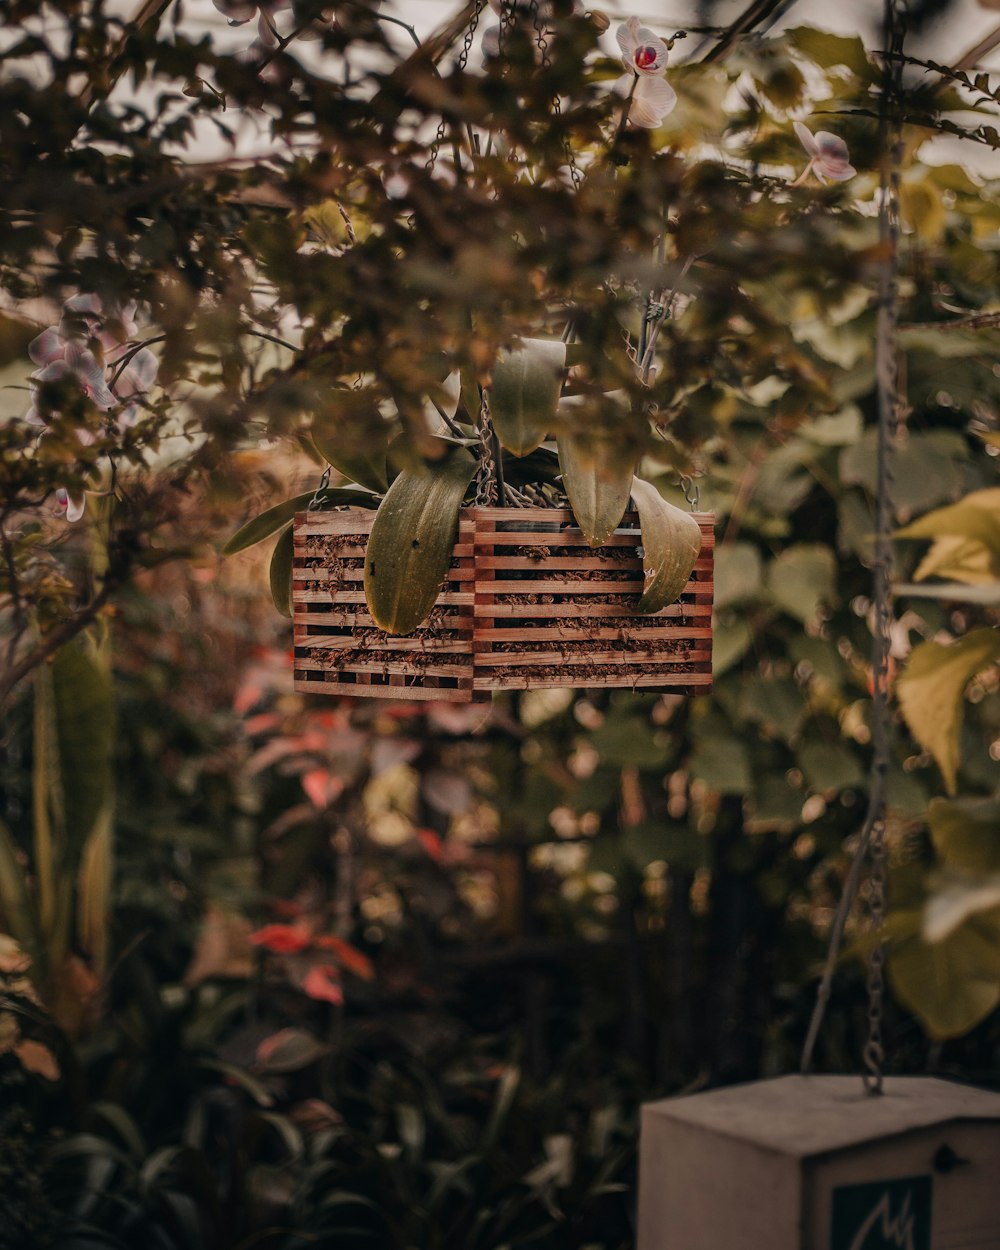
(353,436)
(411,541)
(597,477)
(274,519)
(671,543)
(524,394)
(281,571)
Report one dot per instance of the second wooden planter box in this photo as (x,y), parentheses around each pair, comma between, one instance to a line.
(526,604)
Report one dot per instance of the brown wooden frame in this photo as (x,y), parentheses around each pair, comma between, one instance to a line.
(526,604)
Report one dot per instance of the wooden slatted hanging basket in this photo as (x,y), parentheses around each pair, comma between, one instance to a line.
(526,604)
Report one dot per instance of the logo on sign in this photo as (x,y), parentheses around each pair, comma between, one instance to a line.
(883,1215)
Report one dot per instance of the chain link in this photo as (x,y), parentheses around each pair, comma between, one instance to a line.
(460,64)
(486,475)
(317,500)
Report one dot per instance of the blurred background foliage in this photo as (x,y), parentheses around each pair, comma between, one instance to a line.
(278,968)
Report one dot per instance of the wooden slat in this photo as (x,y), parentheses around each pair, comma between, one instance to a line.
(496,608)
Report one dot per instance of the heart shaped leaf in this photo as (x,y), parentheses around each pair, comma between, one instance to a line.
(411,542)
(525,393)
(671,541)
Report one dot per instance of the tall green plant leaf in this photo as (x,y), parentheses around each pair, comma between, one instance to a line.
(93,909)
(671,542)
(85,720)
(17,916)
(280,573)
(353,436)
(267,523)
(525,393)
(411,542)
(597,477)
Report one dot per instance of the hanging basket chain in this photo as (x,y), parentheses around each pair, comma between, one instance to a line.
(542,43)
(486,474)
(872,838)
(460,64)
(316,502)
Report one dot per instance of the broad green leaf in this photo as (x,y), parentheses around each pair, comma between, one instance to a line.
(411,542)
(280,573)
(974,518)
(932,688)
(802,579)
(671,543)
(953,984)
(353,436)
(928,469)
(274,519)
(524,393)
(597,477)
(730,642)
(966,833)
(723,764)
(830,766)
(828,50)
(737,573)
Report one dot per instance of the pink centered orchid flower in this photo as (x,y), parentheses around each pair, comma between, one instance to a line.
(829,158)
(644,56)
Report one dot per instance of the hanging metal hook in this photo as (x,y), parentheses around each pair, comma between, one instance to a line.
(316,502)
(692,492)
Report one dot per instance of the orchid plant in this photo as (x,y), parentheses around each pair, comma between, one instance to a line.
(522,421)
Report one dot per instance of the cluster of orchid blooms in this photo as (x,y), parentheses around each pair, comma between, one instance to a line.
(92,349)
(92,346)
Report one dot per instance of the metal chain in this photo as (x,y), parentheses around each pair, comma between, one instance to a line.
(508,17)
(872,841)
(887,378)
(542,43)
(317,500)
(692,492)
(460,64)
(486,474)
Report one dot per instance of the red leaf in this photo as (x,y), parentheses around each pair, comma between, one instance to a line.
(322,787)
(323,982)
(348,956)
(282,939)
(431,842)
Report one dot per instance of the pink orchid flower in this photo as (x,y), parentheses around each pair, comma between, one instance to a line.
(829,158)
(644,56)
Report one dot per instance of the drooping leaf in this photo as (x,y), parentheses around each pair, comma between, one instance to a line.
(524,394)
(953,984)
(671,543)
(597,474)
(280,573)
(954,898)
(411,541)
(353,436)
(269,522)
(932,688)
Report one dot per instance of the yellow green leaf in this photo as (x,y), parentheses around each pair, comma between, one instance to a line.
(671,542)
(267,523)
(951,985)
(353,436)
(411,542)
(597,476)
(931,692)
(974,518)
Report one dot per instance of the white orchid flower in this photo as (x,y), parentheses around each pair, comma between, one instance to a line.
(644,56)
(642,51)
(829,158)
